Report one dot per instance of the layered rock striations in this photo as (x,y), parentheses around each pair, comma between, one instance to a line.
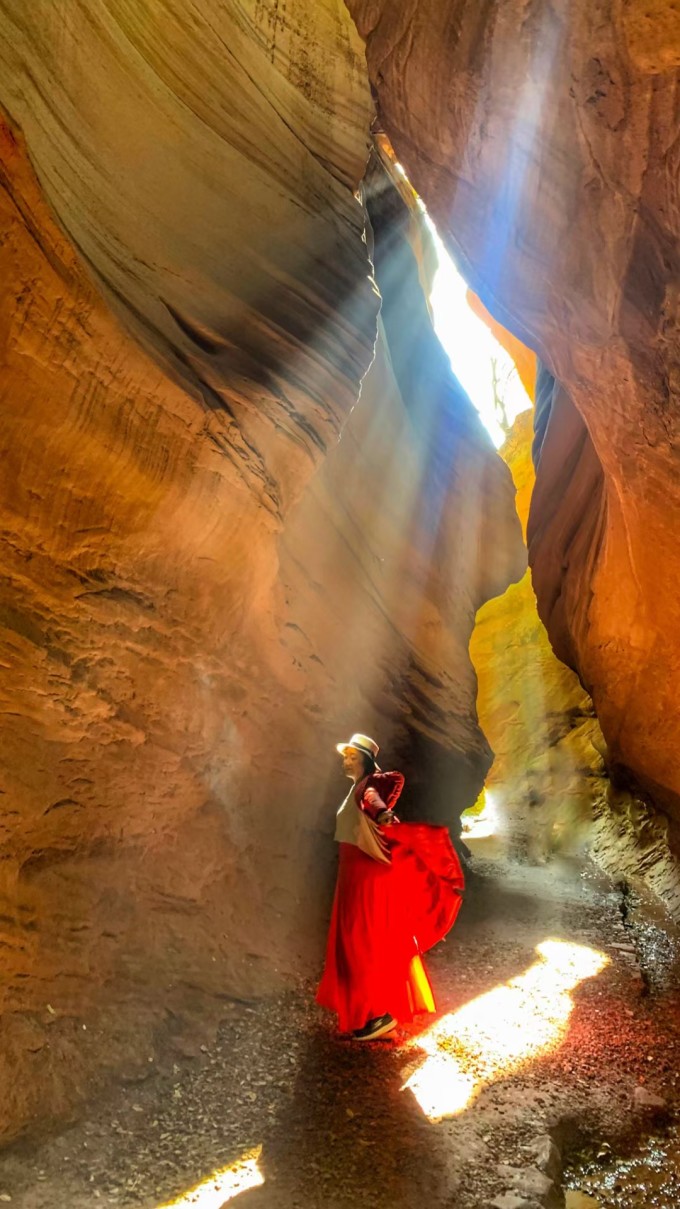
(544,140)
(189,619)
(204,167)
(548,780)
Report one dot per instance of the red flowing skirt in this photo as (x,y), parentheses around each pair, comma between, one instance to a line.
(383,918)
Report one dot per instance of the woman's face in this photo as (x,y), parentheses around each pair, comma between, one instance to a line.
(353,764)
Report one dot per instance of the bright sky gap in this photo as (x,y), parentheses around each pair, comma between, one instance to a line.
(472,349)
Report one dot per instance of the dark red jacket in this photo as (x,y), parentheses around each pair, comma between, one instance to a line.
(388,786)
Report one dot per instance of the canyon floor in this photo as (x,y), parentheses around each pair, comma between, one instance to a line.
(579,1040)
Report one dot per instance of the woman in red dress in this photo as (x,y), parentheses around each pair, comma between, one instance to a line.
(398,893)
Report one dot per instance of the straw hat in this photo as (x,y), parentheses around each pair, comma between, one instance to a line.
(362,743)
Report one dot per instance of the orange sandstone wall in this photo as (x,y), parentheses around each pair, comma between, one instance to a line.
(181,651)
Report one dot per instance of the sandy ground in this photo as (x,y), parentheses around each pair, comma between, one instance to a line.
(527,1040)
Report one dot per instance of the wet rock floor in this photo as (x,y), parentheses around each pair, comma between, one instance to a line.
(526,1043)
(647,1177)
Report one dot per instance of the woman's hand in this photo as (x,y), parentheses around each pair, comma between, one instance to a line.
(385,818)
(376,808)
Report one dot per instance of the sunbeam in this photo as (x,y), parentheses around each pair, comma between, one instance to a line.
(500,1031)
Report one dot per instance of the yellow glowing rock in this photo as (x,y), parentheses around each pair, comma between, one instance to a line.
(537,717)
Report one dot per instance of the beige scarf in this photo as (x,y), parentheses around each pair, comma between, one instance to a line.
(371,840)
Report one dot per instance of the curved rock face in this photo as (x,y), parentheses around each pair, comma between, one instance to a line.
(204,170)
(181,653)
(544,140)
(438,515)
(585,530)
(568,518)
(132,553)
(550,787)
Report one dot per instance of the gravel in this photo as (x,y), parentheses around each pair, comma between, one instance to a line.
(327,1123)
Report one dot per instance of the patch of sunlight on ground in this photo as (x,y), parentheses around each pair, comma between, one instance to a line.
(476,357)
(222,1186)
(502,1030)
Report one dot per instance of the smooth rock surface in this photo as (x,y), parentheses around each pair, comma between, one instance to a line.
(510,1200)
(548,770)
(204,168)
(646,1100)
(385,546)
(180,664)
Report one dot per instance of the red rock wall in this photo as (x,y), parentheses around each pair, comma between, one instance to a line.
(548,773)
(180,655)
(203,186)
(544,140)
(551,787)
(132,549)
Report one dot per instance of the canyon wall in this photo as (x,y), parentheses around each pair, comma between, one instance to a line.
(544,140)
(204,169)
(179,349)
(548,770)
(190,616)
(548,789)
(552,788)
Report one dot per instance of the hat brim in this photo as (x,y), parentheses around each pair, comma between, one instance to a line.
(343,747)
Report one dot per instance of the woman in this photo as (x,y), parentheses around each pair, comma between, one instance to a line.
(398,892)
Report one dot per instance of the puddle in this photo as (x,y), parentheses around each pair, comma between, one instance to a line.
(648,1179)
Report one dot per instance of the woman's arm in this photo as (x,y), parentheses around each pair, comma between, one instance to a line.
(374,806)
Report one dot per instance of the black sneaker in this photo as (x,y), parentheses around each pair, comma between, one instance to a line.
(379,1027)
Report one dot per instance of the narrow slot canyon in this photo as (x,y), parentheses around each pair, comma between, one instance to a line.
(339,423)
